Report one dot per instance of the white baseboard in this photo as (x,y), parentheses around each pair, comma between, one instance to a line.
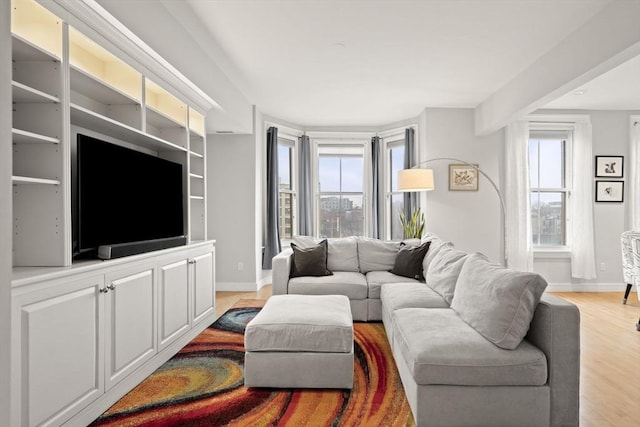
(586,287)
(236,287)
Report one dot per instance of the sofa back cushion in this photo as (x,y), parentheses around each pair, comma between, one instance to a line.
(444,270)
(342,252)
(376,255)
(497,302)
(434,247)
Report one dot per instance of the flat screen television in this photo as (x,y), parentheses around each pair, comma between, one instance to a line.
(124,197)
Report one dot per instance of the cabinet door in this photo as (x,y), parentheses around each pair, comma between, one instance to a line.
(203,285)
(130,321)
(173,315)
(60,327)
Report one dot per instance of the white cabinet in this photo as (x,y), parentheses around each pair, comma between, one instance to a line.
(84,336)
(59,328)
(130,320)
(173,289)
(203,285)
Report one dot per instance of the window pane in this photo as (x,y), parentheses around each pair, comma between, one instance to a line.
(397,164)
(284,166)
(352,174)
(286,222)
(551,163)
(341,215)
(548,218)
(329,173)
(397,205)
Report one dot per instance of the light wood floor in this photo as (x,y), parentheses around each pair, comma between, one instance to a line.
(610,354)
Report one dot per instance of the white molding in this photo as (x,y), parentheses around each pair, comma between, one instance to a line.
(236,287)
(587,287)
(89,14)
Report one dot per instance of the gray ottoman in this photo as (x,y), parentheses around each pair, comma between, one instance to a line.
(300,341)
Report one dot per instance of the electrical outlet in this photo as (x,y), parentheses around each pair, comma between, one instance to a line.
(240,266)
(603,266)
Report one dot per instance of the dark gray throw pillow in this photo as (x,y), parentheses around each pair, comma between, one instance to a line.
(310,261)
(409,260)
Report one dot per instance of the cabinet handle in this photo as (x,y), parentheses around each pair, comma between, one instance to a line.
(104,290)
(192,261)
(111,287)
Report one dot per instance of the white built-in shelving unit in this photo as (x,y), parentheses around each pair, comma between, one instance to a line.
(64,82)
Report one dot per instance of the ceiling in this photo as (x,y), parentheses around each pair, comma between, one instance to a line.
(367,62)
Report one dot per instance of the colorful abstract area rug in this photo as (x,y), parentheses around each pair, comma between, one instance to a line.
(202,385)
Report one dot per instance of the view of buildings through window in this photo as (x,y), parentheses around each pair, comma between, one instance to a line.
(285,193)
(341,189)
(547,177)
(395,198)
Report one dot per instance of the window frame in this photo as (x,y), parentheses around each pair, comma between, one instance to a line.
(555,131)
(291,143)
(390,142)
(323,147)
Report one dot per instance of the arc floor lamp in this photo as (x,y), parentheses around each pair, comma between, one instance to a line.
(416,179)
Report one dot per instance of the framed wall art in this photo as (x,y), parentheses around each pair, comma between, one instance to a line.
(610,191)
(609,166)
(463,178)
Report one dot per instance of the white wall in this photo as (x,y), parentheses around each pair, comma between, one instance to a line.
(471,220)
(231,204)
(610,137)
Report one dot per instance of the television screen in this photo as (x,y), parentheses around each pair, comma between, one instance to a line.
(125,196)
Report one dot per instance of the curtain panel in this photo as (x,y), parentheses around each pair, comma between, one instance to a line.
(583,258)
(518,247)
(377,190)
(634,175)
(410,198)
(305,202)
(272,231)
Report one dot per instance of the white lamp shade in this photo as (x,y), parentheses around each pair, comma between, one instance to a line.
(415,180)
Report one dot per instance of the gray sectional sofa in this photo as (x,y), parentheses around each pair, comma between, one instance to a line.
(475,344)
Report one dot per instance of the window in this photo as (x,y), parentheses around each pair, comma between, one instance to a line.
(395,198)
(549,172)
(341,191)
(286,188)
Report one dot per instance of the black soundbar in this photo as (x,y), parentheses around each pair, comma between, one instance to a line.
(126,249)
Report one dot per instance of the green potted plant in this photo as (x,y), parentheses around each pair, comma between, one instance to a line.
(412,226)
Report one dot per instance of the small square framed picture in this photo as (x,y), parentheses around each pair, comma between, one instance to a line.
(610,191)
(463,177)
(609,166)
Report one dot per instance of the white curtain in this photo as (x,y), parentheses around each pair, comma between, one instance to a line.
(634,175)
(518,248)
(583,260)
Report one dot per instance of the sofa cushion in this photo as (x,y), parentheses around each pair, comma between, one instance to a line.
(375,279)
(440,348)
(408,262)
(375,254)
(497,302)
(444,270)
(410,295)
(342,252)
(347,283)
(434,247)
(310,261)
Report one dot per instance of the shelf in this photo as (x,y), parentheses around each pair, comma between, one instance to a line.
(94,88)
(159,120)
(163,103)
(88,119)
(26,137)
(196,176)
(196,197)
(26,94)
(37,25)
(24,50)
(194,154)
(16,180)
(196,122)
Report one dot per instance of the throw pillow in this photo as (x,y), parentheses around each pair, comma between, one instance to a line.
(496,301)
(310,261)
(409,261)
